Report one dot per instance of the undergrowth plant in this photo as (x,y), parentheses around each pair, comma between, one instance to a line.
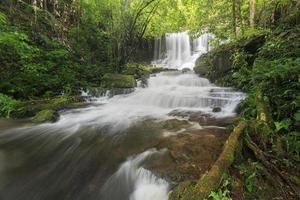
(223,193)
(7,105)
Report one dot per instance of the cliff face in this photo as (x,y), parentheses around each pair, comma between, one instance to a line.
(219,62)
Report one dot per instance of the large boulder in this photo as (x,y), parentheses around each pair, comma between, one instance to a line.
(215,63)
(32,107)
(118,81)
(45,116)
(219,62)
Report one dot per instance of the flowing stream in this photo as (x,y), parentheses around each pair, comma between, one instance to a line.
(101,152)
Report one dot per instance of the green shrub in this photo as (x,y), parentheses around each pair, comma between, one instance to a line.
(3,19)
(291,143)
(223,193)
(251,172)
(7,105)
(279,80)
(242,70)
(28,71)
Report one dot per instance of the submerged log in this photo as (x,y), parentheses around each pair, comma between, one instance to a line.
(210,180)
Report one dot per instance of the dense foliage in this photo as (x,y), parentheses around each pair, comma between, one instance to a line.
(270,76)
(47,46)
(54,47)
(7,105)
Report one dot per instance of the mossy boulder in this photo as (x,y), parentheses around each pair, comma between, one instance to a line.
(32,107)
(45,116)
(218,63)
(140,71)
(118,81)
(215,63)
(185,70)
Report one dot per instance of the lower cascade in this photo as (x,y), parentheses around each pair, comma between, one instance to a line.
(134,182)
(101,152)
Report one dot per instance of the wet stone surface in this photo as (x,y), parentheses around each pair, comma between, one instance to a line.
(191,152)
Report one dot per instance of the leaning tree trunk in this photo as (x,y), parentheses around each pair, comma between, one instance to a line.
(234,17)
(252,10)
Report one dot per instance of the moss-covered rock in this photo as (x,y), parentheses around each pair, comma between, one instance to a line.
(31,108)
(140,71)
(215,63)
(118,81)
(219,62)
(45,116)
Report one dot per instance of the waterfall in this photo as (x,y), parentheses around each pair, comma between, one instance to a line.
(201,44)
(81,152)
(178,49)
(178,52)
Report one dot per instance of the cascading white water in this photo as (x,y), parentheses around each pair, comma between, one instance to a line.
(201,44)
(158,52)
(132,181)
(179,53)
(178,49)
(165,93)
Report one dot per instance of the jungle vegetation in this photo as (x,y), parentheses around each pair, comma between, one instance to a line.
(54,47)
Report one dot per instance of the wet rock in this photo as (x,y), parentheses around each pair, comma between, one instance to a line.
(202,65)
(253,44)
(77,105)
(217,109)
(185,70)
(174,124)
(189,155)
(205,119)
(45,116)
(218,63)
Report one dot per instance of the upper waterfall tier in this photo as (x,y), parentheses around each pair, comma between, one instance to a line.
(175,51)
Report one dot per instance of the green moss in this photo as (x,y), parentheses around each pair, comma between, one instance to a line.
(60,101)
(44,116)
(140,71)
(296,180)
(184,191)
(31,108)
(118,81)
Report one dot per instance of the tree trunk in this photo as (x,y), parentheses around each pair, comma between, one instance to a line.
(240,18)
(252,10)
(234,16)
